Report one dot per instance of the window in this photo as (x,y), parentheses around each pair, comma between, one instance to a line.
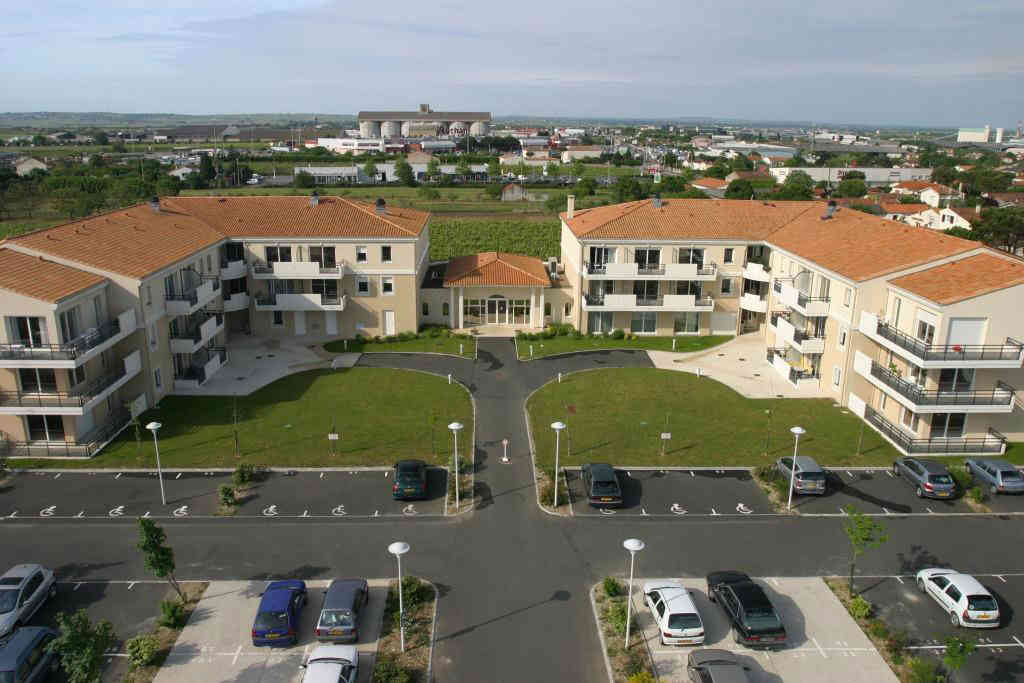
(97,305)
(728,254)
(78,375)
(647,258)
(387,285)
(426,309)
(882,402)
(385,254)
(909,420)
(687,323)
(445,311)
(836,375)
(599,322)
(27,331)
(45,427)
(948,425)
(323,255)
(360,254)
(156,378)
(547,308)
(645,290)
(69,325)
(689,255)
(154,339)
(954,594)
(842,337)
(282,254)
(209,263)
(568,310)
(847,297)
(278,319)
(726,285)
(362,285)
(644,322)
(925,332)
(37,380)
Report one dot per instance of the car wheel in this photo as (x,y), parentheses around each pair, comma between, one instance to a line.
(919,492)
(954,619)
(711,596)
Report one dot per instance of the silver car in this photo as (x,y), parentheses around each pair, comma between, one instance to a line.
(810,478)
(23,590)
(998,475)
(930,479)
(715,666)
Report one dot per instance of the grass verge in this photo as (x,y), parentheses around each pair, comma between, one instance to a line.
(166,636)
(424,342)
(775,486)
(569,343)
(627,665)
(392,664)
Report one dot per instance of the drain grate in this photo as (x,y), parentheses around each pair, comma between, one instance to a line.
(757,374)
(742,358)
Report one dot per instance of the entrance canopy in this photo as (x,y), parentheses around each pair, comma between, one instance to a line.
(496,269)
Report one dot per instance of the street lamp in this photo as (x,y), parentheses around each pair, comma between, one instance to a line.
(399,548)
(558,427)
(797,431)
(768,432)
(153,427)
(456,427)
(633,545)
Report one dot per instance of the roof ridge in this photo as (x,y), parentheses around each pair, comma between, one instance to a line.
(191,215)
(365,209)
(633,206)
(512,265)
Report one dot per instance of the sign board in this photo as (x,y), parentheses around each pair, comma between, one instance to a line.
(334,436)
(666,435)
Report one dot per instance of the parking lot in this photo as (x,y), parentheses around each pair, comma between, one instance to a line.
(112,495)
(216,645)
(823,642)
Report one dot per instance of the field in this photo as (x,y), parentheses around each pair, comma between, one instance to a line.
(451,237)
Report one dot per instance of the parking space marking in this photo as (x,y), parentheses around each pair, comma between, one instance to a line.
(1000,578)
(817,645)
(77,586)
(118,475)
(146,516)
(116,512)
(898,579)
(131,585)
(57,476)
(270,511)
(743,509)
(886,511)
(891,475)
(48,512)
(643,512)
(409,509)
(80,514)
(179,476)
(339,511)
(321,475)
(848,472)
(930,510)
(713,512)
(1018,640)
(842,512)
(606,511)
(181,512)
(234,660)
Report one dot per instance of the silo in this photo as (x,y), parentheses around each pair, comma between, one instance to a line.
(369,129)
(479,129)
(391,129)
(406,128)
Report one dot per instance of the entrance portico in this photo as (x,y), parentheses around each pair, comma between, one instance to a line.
(495,289)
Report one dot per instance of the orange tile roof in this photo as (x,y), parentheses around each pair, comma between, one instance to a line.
(964,279)
(34,277)
(496,269)
(904,209)
(711,183)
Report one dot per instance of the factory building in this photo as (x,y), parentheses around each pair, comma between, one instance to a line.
(423,123)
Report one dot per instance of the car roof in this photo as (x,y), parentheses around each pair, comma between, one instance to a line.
(807,464)
(997,463)
(675,595)
(599,469)
(18,571)
(727,576)
(727,673)
(409,464)
(341,594)
(710,655)
(930,466)
(967,584)
(340,651)
(278,594)
(16,645)
(750,594)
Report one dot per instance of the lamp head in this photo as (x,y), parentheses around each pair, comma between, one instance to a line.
(798,430)
(633,545)
(398,548)
(558,426)
(153,426)
(455,426)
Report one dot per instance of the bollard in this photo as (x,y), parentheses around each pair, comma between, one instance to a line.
(673,344)
(698,372)
(460,349)
(345,344)
(504,445)
(531,350)
(449,378)
(559,378)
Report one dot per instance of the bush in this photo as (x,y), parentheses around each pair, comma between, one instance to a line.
(976,494)
(641,677)
(636,664)
(172,614)
(860,608)
(612,587)
(388,670)
(897,642)
(923,671)
(227,495)
(426,192)
(878,629)
(142,650)
(547,493)
(247,474)
(615,615)
(415,592)
(618,334)
(391,338)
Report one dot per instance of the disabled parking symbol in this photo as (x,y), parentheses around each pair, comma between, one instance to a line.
(743,509)
(339,511)
(48,512)
(181,512)
(117,512)
(606,511)
(677,509)
(410,510)
(270,511)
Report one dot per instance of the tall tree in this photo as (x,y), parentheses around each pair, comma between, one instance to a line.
(157,556)
(82,646)
(670,160)
(956,654)
(493,169)
(852,187)
(433,169)
(864,533)
(1003,228)
(740,188)
(403,170)
(370,169)
(206,171)
(462,167)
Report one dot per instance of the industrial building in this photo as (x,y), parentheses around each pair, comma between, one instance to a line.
(423,123)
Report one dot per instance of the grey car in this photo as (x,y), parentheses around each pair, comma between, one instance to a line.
(23,590)
(930,479)
(24,657)
(809,479)
(998,475)
(715,666)
(344,601)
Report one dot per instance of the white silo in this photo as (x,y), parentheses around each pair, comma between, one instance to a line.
(406,128)
(391,129)
(999,134)
(479,129)
(369,129)
(457,128)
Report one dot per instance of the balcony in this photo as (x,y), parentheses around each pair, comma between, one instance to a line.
(631,302)
(191,300)
(85,446)
(798,377)
(73,353)
(296,270)
(758,272)
(204,365)
(232,270)
(1008,355)
(197,335)
(801,302)
(919,400)
(239,301)
(754,303)
(992,443)
(661,271)
(77,402)
(290,301)
(802,341)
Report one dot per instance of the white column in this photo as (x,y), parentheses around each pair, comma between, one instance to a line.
(461,294)
(451,306)
(541,307)
(533,302)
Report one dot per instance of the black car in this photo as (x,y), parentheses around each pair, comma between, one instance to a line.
(601,485)
(410,480)
(715,666)
(754,620)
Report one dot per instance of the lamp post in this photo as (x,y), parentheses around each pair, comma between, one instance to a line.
(768,432)
(399,548)
(558,427)
(456,427)
(633,545)
(797,431)
(153,427)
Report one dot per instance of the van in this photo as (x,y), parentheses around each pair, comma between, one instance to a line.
(24,658)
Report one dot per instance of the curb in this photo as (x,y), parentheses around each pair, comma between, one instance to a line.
(600,634)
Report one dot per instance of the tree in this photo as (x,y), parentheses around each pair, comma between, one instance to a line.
(493,169)
(206,170)
(1003,228)
(957,651)
(586,187)
(670,160)
(370,169)
(302,179)
(493,191)
(854,175)
(864,533)
(82,646)
(867,207)
(462,167)
(627,189)
(963,233)
(717,171)
(157,555)
(555,203)
(433,169)
(576,169)
(739,189)
(851,187)
(944,174)
(741,163)
(101,138)
(403,171)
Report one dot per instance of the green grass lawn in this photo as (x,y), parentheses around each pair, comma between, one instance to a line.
(424,344)
(617,416)
(382,416)
(566,344)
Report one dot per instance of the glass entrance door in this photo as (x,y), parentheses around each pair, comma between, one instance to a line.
(497,311)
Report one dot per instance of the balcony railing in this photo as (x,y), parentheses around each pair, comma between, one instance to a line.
(78,346)
(296,268)
(84,446)
(194,332)
(800,336)
(1001,395)
(61,399)
(1010,351)
(191,295)
(595,268)
(992,442)
(196,371)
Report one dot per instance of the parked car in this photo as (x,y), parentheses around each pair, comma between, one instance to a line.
(962,596)
(929,478)
(998,475)
(810,478)
(332,664)
(754,620)
(675,613)
(715,666)
(344,601)
(601,485)
(277,618)
(24,658)
(410,480)
(23,590)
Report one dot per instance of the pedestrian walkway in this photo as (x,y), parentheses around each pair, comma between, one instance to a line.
(255,362)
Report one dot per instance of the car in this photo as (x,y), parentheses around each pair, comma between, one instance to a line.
(277,618)
(809,478)
(754,620)
(410,480)
(601,485)
(929,478)
(998,475)
(675,613)
(715,666)
(332,664)
(962,596)
(344,601)
(24,657)
(23,590)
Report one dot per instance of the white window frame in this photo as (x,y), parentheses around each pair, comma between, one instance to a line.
(844,331)
(362,251)
(847,297)
(837,377)
(363,281)
(386,281)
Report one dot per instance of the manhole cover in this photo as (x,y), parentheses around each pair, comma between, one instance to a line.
(778,395)
(720,355)
(258,357)
(742,358)
(757,374)
(240,378)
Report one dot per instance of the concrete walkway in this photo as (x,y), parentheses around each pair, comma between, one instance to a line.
(739,364)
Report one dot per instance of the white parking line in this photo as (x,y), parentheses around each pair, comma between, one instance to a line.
(713,511)
(850,474)
(57,476)
(131,585)
(930,510)
(898,579)
(1000,578)
(179,476)
(890,473)
(234,660)
(321,475)
(842,511)
(77,586)
(117,476)
(822,651)
(886,510)
(1018,640)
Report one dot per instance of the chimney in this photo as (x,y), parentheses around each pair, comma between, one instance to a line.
(656,202)
(314,199)
(154,204)
(381,206)
(571,208)
(830,211)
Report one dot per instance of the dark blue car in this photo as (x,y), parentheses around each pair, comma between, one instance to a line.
(277,619)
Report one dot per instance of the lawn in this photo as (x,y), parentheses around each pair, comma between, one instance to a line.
(567,344)
(425,344)
(382,416)
(618,415)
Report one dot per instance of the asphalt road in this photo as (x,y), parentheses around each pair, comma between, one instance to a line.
(513,579)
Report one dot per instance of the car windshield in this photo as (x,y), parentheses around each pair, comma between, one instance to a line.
(762,621)
(408,477)
(981,603)
(336,617)
(940,479)
(605,487)
(811,476)
(8,599)
(270,621)
(1010,474)
(681,621)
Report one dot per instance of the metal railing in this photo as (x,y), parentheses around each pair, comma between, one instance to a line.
(594,299)
(225,262)
(595,268)
(992,442)
(800,336)
(774,317)
(1011,350)
(264,268)
(69,351)
(85,446)
(1001,395)
(191,295)
(803,299)
(797,374)
(194,331)
(60,399)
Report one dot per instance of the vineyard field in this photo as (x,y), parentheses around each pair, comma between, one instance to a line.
(449,238)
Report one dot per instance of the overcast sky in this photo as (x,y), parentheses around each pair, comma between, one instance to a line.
(875,62)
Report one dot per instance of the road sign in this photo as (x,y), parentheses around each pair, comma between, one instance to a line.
(334,436)
(665,436)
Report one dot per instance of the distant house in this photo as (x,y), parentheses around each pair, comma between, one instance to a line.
(514,192)
(182,172)
(1004,199)
(712,186)
(748,175)
(931,194)
(900,212)
(419,157)
(959,217)
(26,165)
(574,152)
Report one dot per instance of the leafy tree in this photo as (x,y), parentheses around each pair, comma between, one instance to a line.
(555,203)
(39,141)
(717,171)
(157,555)
(670,160)
(1003,228)
(963,233)
(462,167)
(693,193)
(206,171)
(864,533)
(576,169)
(957,651)
(493,191)
(101,138)
(978,180)
(741,163)
(866,207)
(302,179)
(433,169)
(628,189)
(851,187)
(586,187)
(493,169)
(854,175)
(370,169)
(403,170)
(944,174)
(739,189)
(82,646)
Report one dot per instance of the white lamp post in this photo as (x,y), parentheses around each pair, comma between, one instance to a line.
(456,427)
(797,431)
(153,427)
(633,545)
(558,427)
(399,548)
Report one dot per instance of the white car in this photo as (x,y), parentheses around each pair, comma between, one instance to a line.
(672,607)
(23,590)
(961,596)
(332,664)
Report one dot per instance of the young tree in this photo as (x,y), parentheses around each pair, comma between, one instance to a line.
(851,187)
(462,167)
(670,159)
(493,169)
(433,169)
(957,651)
(206,170)
(739,189)
(302,179)
(370,169)
(586,187)
(157,555)
(864,533)
(403,171)
(577,169)
(1003,228)
(82,646)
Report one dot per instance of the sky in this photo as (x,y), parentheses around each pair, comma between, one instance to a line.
(872,62)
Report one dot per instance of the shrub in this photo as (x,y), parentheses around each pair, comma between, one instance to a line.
(172,614)
(227,495)
(548,333)
(520,334)
(388,670)
(576,334)
(406,336)
(618,334)
(244,474)
(612,587)
(547,493)
(434,332)
(767,473)
(641,677)
(923,671)
(897,642)
(976,494)
(636,664)
(415,592)
(142,650)
(615,614)
(878,629)
(860,608)
(377,339)
(391,338)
